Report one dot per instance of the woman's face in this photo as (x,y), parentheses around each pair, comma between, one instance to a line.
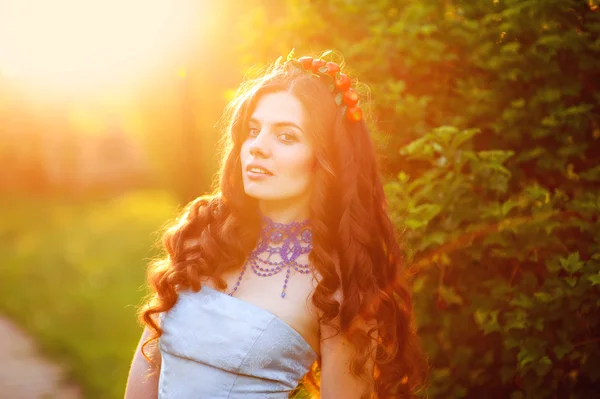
(277,156)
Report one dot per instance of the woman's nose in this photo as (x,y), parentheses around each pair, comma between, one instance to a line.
(259,146)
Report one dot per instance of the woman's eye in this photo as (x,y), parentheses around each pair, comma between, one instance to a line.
(287,137)
(253,132)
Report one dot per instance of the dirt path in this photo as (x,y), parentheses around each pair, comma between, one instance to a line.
(24,374)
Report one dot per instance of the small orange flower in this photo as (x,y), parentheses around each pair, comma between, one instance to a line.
(342,82)
(332,68)
(316,64)
(354,114)
(350,97)
(306,62)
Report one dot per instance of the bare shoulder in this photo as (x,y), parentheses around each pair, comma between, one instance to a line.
(143,376)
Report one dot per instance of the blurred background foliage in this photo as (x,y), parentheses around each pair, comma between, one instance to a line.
(486,114)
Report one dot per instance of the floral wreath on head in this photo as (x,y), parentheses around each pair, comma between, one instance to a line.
(339,82)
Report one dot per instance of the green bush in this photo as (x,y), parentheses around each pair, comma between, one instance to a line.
(72,275)
(487,114)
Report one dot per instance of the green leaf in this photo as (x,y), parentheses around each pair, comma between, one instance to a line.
(425,211)
(499,168)
(450,295)
(550,40)
(550,226)
(413,224)
(592,174)
(420,148)
(441,373)
(510,342)
(418,283)
(420,216)
(463,136)
(543,297)
(291,54)
(520,103)
(571,264)
(403,176)
(562,349)
(511,48)
(480,316)
(325,53)
(536,192)
(522,301)
(487,320)
(496,156)
(530,154)
(396,87)
(435,238)
(594,279)
(516,320)
(524,357)
(577,110)
(550,121)
(443,135)
(571,281)
(542,366)
(553,265)
(507,207)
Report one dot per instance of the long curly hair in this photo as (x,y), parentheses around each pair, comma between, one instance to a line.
(355,249)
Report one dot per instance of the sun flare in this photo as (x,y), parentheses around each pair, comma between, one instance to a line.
(79,44)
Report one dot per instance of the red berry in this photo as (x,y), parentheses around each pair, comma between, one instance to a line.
(354,114)
(342,82)
(306,62)
(350,97)
(332,68)
(316,64)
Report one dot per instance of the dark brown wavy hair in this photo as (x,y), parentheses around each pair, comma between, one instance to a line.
(354,244)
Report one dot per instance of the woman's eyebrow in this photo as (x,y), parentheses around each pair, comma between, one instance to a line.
(279,124)
(292,124)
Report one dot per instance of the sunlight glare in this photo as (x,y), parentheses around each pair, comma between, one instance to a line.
(79,44)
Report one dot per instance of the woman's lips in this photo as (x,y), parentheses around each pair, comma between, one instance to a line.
(256,171)
(257,176)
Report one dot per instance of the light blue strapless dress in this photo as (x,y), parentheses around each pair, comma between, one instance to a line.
(217,346)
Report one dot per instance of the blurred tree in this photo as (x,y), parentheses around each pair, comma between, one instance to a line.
(184,105)
(487,118)
(21,143)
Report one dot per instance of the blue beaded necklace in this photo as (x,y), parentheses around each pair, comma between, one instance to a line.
(289,241)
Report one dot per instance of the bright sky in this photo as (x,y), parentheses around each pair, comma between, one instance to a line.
(83,45)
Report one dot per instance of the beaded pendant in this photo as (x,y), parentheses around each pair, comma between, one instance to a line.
(288,241)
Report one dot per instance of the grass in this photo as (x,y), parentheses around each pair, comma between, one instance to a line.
(72,274)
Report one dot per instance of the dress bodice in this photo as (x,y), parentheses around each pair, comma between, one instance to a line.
(217,346)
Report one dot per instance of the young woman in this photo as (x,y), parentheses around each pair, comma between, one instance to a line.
(293,260)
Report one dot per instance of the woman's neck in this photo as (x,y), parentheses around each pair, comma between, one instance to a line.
(283,213)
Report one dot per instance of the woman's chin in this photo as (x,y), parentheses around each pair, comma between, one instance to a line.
(264,195)
(257,193)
